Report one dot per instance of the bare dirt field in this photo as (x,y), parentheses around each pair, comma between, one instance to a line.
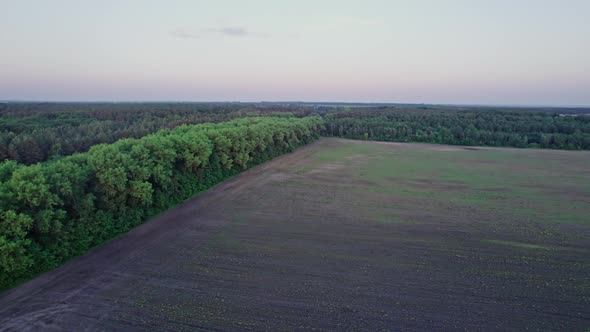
(345,235)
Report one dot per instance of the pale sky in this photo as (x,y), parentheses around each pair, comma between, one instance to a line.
(518,52)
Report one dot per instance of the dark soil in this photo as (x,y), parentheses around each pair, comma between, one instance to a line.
(274,249)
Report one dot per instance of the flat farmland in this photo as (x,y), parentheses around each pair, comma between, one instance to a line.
(345,235)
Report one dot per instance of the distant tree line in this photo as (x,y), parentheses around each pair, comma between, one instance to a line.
(521,129)
(30,133)
(54,210)
(35,132)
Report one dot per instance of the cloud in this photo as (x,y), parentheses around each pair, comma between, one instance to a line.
(184,33)
(228,31)
(231,31)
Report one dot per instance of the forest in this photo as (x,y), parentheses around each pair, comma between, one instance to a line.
(59,209)
(34,132)
(521,129)
(31,132)
(73,175)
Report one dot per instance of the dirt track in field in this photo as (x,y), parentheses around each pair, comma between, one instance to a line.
(301,243)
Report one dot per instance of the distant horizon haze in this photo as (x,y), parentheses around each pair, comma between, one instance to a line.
(521,53)
(310,102)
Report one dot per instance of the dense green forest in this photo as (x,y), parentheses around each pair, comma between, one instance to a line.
(34,132)
(463,127)
(31,132)
(58,209)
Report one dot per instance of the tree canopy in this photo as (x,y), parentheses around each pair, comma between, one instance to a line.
(58,209)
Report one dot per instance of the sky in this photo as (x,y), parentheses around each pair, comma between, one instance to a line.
(518,52)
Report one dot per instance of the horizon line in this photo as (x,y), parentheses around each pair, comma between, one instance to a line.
(129,101)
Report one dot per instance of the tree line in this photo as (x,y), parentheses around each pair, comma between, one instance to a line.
(523,129)
(54,210)
(34,132)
